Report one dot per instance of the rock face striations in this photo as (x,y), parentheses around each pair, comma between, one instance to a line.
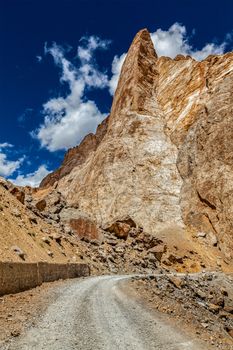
(164,156)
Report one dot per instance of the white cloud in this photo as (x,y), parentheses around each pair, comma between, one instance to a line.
(68,119)
(32,179)
(170,43)
(90,44)
(5,145)
(208,49)
(8,167)
(116,70)
(176,41)
(39,58)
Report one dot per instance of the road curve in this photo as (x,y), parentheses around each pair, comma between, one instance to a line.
(96,314)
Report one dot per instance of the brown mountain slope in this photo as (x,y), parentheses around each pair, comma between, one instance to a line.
(25,236)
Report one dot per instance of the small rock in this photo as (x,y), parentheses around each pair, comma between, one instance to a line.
(32,234)
(228,309)
(201,235)
(229,331)
(16,213)
(19,252)
(213,308)
(204,324)
(32,220)
(158,251)
(201,294)
(177,282)
(57,238)
(175,259)
(119,250)
(15,333)
(95,242)
(213,240)
(224,291)
(46,240)
(111,242)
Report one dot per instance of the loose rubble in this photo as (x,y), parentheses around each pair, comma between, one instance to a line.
(200,302)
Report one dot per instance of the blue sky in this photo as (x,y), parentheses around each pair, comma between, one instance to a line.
(60,62)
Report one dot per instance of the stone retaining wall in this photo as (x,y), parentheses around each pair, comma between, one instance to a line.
(17,277)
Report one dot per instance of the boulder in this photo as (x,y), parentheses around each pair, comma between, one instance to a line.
(85,228)
(41,205)
(121,228)
(19,194)
(158,251)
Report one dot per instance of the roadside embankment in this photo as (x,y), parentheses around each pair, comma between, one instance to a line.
(17,277)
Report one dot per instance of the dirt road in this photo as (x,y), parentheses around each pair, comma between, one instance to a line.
(97,314)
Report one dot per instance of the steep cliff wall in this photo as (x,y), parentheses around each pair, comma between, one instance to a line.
(133,172)
(166,156)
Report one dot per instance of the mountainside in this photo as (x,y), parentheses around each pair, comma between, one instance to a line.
(25,236)
(164,155)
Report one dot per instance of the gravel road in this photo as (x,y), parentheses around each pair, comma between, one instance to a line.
(97,314)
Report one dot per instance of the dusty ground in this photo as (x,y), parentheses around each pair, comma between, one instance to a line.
(22,310)
(79,319)
(201,304)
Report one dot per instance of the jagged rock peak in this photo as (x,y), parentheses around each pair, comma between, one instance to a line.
(137,77)
(134,93)
(143,43)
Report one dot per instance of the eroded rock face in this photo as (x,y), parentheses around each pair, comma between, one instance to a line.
(133,171)
(164,157)
(206,164)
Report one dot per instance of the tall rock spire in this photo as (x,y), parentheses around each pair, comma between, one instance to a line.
(137,78)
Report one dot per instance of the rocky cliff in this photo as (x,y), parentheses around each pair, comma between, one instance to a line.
(164,155)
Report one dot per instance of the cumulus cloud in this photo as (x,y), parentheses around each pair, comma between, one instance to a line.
(176,41)
(32,179)
(7,166)
(68,119)
(170,43)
